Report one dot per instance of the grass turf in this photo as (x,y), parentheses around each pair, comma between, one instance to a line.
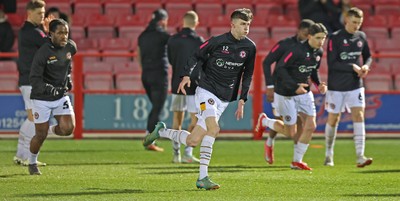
(123,170)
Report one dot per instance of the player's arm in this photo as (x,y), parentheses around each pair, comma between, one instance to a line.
(247,74)
(315,75)
(333,57)
(272,57)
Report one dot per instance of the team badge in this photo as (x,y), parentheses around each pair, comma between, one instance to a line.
(36,115)
(242,54)
(318,58)
(211,101)
(288,118)
(359,43)
(333,106)
(68,55)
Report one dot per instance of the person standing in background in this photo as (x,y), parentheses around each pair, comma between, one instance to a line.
(152,57)
(319,11)
(30,38)
(345,85)
(6,35)
(180,47)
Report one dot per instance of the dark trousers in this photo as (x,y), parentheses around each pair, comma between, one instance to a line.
(156,87)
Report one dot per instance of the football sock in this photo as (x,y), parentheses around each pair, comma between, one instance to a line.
(269,123)
(359,137)
(178,136)
(270,141)
(330,136)
(52,129)
(33,158)
(27,131)
(188,151)
(205,155)
(299,151)
(176,148)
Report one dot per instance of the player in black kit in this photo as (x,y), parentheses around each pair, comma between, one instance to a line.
(31,36)
(273,56)
(292,92)
(50,80)
(180,47)
(228,60)
(345,87)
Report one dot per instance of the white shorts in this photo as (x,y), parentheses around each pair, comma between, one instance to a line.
(42,109)
(181,103)
(274,105)
(208,105)
(26,95)
(290,106)
(340,101)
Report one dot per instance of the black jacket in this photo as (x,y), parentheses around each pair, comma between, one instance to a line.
(180,47)
(30,39)
(227,61)
(344,50)
(51,65)
(296,66)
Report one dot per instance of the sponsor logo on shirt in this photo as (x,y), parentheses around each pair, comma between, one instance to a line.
(349,55)
(52,60)
(306,69)
(227,64)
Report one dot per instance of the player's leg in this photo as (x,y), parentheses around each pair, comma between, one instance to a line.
(178,107)
(334,102)
(191,108)
(356,102)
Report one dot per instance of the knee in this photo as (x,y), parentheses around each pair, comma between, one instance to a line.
(192,141)
(310,128)
(214,131)
(66,129)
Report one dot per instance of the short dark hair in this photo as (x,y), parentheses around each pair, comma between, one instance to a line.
(33,4)
(242,13)
(54,23)
(356,12)
(305,24)
(318,28)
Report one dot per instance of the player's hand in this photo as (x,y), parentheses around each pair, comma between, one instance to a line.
(301,89)
(54,91)
(69,83)
(185,82)
(357,69)
(46,23)
(270,95)
(364,71)
(239,112)
(322,88)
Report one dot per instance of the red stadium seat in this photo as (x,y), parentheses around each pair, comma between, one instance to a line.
(99,81)
(378,82)
(204,10)
(375,21)
(292,12)
(16,20)
(387,9)
(78,20)
(376,33)
(118,9)
(115,44)
(78,32)
(218,21)
(279,33)
(126,67)
(203,32)
(229,8)
(226,2)
(9,81)
(113,59)
(258,33)
(101,32)
(128,81)
(386,2)
(388,45)
(86,43)
(64,7)
(215,31)
(268,9)
(132,20)
(97,67)
(394,21)
(132,33)
(281,21)
(146,9)
(88,9)
(208,1)
(8,67)
(90,59)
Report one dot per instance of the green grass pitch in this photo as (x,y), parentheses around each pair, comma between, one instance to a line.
(123,170)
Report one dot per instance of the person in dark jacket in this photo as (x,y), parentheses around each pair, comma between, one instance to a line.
(50,80)
(152,56)
(31,36)
(319,11)
(180,47)
(345,85)
(292,92)
(6,35)
(274,55)
(228,64)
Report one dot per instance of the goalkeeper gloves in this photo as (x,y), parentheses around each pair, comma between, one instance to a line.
(54,91)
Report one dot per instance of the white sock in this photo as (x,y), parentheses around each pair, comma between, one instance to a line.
(178,136)
(359,137)
(52,129)
(330,136)
(176,148)
(27,131)
(205,155)
(20,147)
(269,123)
(270,141)
(299,151)
(188,151)
(33,158)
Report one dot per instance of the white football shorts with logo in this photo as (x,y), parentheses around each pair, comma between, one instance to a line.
(26,95)
(208,105)
(181,103)
(274,105)
(340,101)
(289,106)
(42,109)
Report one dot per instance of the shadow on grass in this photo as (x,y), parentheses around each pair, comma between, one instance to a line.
(92,163)
(191,166)
(12,175)
(373,195)
(379,171)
